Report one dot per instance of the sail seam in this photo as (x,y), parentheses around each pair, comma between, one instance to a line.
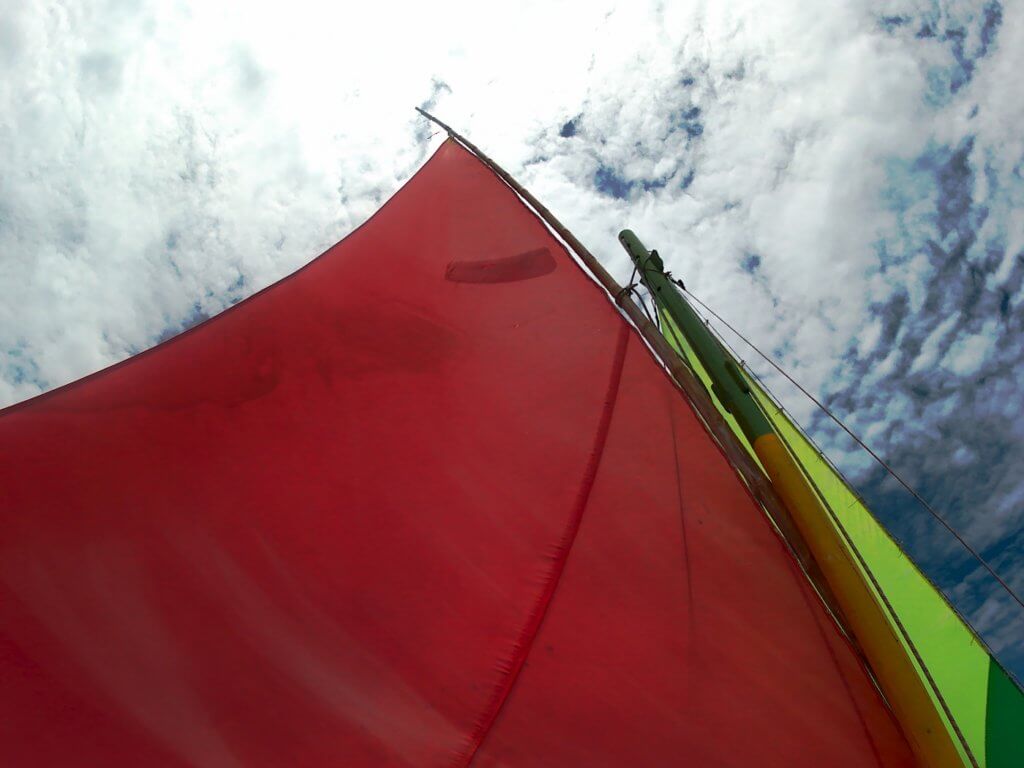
(840,673)
(524,643)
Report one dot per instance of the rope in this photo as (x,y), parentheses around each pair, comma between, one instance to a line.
(892,472)
(630,289)
(652,316)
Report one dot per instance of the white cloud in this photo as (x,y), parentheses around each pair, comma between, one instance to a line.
(931,348)
(968,353)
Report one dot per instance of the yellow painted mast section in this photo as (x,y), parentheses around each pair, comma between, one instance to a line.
(901,682)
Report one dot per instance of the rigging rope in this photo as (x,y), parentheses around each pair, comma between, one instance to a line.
(892,472)
(630,289)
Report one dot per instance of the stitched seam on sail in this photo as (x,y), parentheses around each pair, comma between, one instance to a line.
(531,629)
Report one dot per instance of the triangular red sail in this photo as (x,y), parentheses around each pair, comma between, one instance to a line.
(427,501)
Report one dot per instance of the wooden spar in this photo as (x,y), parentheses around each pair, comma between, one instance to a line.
(748,470)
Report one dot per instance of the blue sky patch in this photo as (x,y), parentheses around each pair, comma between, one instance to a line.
(750,262)
(610,183)
(570,128)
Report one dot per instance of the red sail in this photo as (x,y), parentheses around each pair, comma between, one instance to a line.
(427,501)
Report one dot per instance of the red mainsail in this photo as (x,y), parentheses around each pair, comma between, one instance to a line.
(428,501)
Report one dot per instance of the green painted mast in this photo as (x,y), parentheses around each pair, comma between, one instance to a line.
(729,385)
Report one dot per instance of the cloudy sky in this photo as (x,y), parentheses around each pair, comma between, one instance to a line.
(846,184)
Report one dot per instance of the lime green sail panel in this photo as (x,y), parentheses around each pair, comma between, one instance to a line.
(985,703)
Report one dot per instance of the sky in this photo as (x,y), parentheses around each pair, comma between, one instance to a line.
(843,182)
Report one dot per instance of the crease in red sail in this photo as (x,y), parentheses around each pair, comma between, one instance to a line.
(525,642)
(342,523)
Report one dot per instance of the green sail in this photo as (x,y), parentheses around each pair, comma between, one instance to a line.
(985,703)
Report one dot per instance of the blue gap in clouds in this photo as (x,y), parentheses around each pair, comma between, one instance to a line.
(195,316)
(610,183)
(571,128)
(688,120)
(892,23)
(943,175)
(750,263)
(19,368)
(968,35)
